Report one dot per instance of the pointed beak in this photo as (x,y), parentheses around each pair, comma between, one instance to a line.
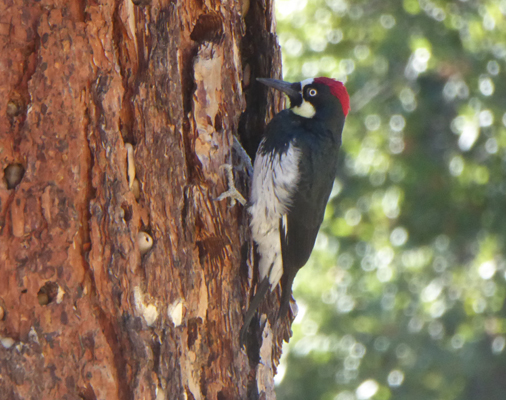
(282,86)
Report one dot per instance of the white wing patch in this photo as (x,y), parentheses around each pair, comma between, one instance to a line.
(284,224)
(274,180)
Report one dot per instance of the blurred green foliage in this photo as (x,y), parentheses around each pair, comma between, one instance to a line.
(404,295)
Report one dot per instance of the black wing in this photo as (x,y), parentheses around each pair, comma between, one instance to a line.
(299,229)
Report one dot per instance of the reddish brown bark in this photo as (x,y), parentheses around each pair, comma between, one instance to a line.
(83,313)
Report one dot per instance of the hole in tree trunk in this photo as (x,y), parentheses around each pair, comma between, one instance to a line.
(47,293)
(13,174)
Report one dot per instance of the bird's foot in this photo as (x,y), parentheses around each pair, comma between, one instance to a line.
(232,193)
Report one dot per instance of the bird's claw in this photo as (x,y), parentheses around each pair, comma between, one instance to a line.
(232,193)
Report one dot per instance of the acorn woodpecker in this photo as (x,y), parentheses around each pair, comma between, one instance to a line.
(294,170)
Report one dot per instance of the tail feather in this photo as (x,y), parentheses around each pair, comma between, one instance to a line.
(262,289)
(285,296)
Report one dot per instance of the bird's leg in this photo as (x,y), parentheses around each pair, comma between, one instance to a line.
(232,192)
(243,156)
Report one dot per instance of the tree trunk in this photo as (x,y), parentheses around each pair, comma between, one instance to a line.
(114,120)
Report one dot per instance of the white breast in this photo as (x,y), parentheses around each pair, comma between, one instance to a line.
(275,179)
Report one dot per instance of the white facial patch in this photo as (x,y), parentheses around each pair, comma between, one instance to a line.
(275,179)
(305,82)
(306,109)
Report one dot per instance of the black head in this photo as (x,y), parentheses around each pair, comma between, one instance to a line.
(314,97)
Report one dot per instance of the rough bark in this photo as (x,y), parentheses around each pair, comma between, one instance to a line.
(83,313)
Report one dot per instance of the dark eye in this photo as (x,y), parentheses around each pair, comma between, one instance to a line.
(312,92)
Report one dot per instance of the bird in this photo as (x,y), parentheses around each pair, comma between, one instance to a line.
(293,174)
